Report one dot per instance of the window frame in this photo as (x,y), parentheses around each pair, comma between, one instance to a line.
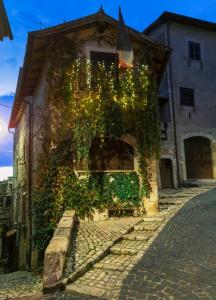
(107,62)
(102,53)
(194,54)
(89,47)
(183,102)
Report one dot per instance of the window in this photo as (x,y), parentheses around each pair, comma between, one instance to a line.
(8,201)
(194,50)
(98,57)
(113,155)
(186,96)
(106,57)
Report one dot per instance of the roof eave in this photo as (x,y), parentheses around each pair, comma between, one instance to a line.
(5,29)
(166,17)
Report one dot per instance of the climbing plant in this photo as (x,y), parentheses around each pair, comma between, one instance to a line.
(86,102)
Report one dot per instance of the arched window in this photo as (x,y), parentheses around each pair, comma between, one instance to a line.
(111,155)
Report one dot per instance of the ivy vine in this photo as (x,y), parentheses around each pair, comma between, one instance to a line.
(87,102)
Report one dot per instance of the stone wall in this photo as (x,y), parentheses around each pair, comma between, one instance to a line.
(21,203)
(22,216)
(5,218)
(56,252)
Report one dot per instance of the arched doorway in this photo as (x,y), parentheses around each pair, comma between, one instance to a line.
(166,173)
(198,158)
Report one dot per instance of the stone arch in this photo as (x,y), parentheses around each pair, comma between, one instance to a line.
(198,134)
(115,155)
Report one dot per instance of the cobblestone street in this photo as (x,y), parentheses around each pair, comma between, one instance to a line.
(175,262)
(89,239)
(19,284)
(170,257)
(181,262)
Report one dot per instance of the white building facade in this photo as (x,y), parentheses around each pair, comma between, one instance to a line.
(187,99)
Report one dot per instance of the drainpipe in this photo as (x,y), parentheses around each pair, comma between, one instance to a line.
(30,151)
(170,84)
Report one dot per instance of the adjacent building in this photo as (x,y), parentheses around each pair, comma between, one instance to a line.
(187,99)
(5,30)
(6,224)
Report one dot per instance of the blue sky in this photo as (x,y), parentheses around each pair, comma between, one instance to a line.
(28,15)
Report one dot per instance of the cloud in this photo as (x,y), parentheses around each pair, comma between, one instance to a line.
(5,172)
(12,62)
(7,97)
(6,139)
(14,12)
(6,160)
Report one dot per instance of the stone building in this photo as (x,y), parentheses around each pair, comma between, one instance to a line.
(6,223)
(5,30)
(99,35)
(187,99)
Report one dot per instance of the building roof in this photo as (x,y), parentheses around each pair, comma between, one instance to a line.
(5,30)
(36,50)
(168,17)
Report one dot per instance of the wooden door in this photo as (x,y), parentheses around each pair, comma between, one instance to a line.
(166,173)
(198,158)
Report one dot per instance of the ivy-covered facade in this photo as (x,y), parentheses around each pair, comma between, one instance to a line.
(87,132)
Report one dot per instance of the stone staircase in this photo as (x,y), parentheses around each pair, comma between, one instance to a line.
(105,278)
(180,195)
(112,269)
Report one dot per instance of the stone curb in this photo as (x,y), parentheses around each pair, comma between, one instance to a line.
(99,256)
(56,252)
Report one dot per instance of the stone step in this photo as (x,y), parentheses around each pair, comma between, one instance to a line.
(189,194)
(95,283)
(123,251)
(114,262)
(164,205)
(127,247)
(203,190)
(136,236)
(172,201)
(110,267)
(153,219)
(180,195)
(183,194)
(83,289)
(149,226)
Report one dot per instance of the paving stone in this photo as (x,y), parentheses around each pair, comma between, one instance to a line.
(19,284)
(174,264)
(177,262)
(89,239)
(182,257)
